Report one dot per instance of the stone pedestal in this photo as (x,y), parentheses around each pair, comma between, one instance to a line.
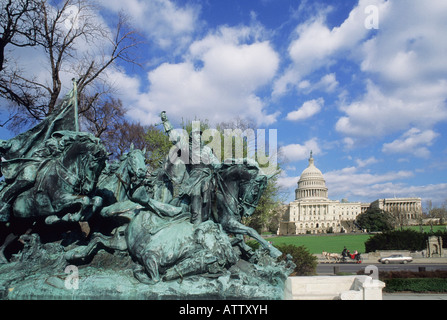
(333,288)
(110,277)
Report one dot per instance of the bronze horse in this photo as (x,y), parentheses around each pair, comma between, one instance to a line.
(65,181)
(239,188)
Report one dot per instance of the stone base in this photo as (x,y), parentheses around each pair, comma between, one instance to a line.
(333,288)
(110,277)
(95,284)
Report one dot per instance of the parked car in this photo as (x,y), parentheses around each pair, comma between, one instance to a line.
(395,258)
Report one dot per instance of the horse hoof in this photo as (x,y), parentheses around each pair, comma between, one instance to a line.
(275,253)
(52,220)
(3,259)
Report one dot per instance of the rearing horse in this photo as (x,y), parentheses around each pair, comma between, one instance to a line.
(239,188)
(65,182)
(115,183)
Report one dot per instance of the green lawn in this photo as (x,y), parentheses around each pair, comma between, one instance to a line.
(328,243)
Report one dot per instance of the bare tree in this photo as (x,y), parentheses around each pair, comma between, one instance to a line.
(18,22)
(103,115)
(76,43)
(119,138)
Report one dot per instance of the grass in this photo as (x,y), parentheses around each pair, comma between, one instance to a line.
(328,243)
(336,242)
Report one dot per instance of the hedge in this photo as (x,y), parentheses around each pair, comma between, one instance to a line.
(416,285)
(397,240)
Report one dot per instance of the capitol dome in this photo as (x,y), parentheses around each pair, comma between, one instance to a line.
(311,184)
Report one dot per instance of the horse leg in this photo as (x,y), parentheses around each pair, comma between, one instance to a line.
(10,192)
(122,209)
(140,274)
(236,227)
(115,242)
(9,239)
(238,240)
(94,206)
(67,201)
(84,252)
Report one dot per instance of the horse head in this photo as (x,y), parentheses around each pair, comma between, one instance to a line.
(81,154)
(250,193)
(136,163)
(242,186)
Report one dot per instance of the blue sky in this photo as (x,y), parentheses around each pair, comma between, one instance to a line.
(361,83)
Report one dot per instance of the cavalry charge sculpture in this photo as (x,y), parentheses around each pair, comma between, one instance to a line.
(180,221)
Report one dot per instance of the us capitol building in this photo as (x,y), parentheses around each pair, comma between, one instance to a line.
(312,211)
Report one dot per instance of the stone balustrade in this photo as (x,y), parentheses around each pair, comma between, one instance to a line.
(333,288)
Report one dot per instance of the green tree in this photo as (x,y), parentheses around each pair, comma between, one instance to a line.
(158,146)
(267,214)
(396,240)
(306,263)
(375,219)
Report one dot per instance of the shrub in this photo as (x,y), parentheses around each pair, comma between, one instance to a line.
(416,284)
(375,220)
(306,263)
(396,240)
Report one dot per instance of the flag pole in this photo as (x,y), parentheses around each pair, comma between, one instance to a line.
(75,97)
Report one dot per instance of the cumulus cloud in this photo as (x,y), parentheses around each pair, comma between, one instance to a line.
(307,110)
(352,182)
(217,80)
(316,45)
(364,163)
(378,114)
(163,21)
(414,141)
(406,70)
(296,152)
(408,47)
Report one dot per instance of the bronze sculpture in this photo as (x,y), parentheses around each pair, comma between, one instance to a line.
(182,220)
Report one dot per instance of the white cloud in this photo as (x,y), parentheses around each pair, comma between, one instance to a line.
(414,141)
(410,45)
(316,45)
(296,152)
(364,163)
(351,182)
(328,83)
(378,114)
(169,25)
(307,110)
(287,182)
(218,80)
(406,59)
